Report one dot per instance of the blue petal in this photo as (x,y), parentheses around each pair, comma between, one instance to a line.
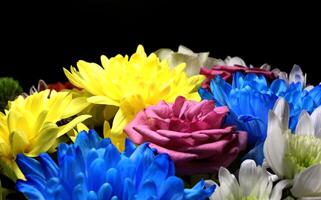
(112,177)
(220,90)
(172,189)
(29,166)
(205,94)
(147,191)
(129,190)
(307,104)
(88,140)
(91,156)
(315,93)
(105,191)
(111,156)
(48,165)
(278,87)
(52,186)
(158,170)
(238,80)
(78,193)
(29,191)
(95,171)
(92,196)
(36,182)
(198,191)
(129,147)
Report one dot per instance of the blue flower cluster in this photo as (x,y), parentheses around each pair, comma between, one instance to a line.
(93,168)
(250,97)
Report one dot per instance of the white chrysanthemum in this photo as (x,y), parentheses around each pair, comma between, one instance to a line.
(295,157)
(255,183)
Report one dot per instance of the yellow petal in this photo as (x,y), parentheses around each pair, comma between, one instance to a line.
(67,127)
(40,120)
(102,100)
(119,123)
(5,150)
(119,141)
(18,142)
(104,61)
(107,130)
(10,169)
(196,81)
(82,127)
(193,96)
(75,106)
(74,79)
(44,140)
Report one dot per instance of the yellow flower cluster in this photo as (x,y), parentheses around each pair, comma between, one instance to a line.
(30,126)
(132,84)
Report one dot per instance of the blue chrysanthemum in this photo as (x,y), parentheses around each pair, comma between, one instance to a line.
(94,169)
(249,99)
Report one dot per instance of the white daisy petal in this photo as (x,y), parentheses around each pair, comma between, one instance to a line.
(231,61)
(296,75)
(278,188)
(275,145)
(229,186)
(248,176)
(282,111)
(308,182)
(305,125)
(316,120)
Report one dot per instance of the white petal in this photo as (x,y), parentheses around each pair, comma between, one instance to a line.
(229,186)
(202,57)
(210,62)
(308,182)
(310,198)
(248,176)
(279,74)
(296,75)
(217,195)
(281,110)
(309,88)
(234,61)
(184,50)
(316,121)
(163,53)
(266,67)
(278,188)
(305,125)
(275,145)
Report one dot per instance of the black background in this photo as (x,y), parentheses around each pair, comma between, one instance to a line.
(36,43)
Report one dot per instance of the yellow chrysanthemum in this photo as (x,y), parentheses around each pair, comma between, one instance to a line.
(29,126)
(132,84)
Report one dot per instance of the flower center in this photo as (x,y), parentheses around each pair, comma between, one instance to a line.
(251,197)
(302,152)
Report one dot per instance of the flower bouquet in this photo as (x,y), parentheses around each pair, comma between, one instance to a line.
(168,126)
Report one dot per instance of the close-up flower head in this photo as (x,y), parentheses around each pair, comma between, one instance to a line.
(251,96)
(132,84)
(30,126)
(191,133)
(295,157)
(93,168)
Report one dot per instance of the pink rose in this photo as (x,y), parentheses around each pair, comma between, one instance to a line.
(191,133)
(226,73)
